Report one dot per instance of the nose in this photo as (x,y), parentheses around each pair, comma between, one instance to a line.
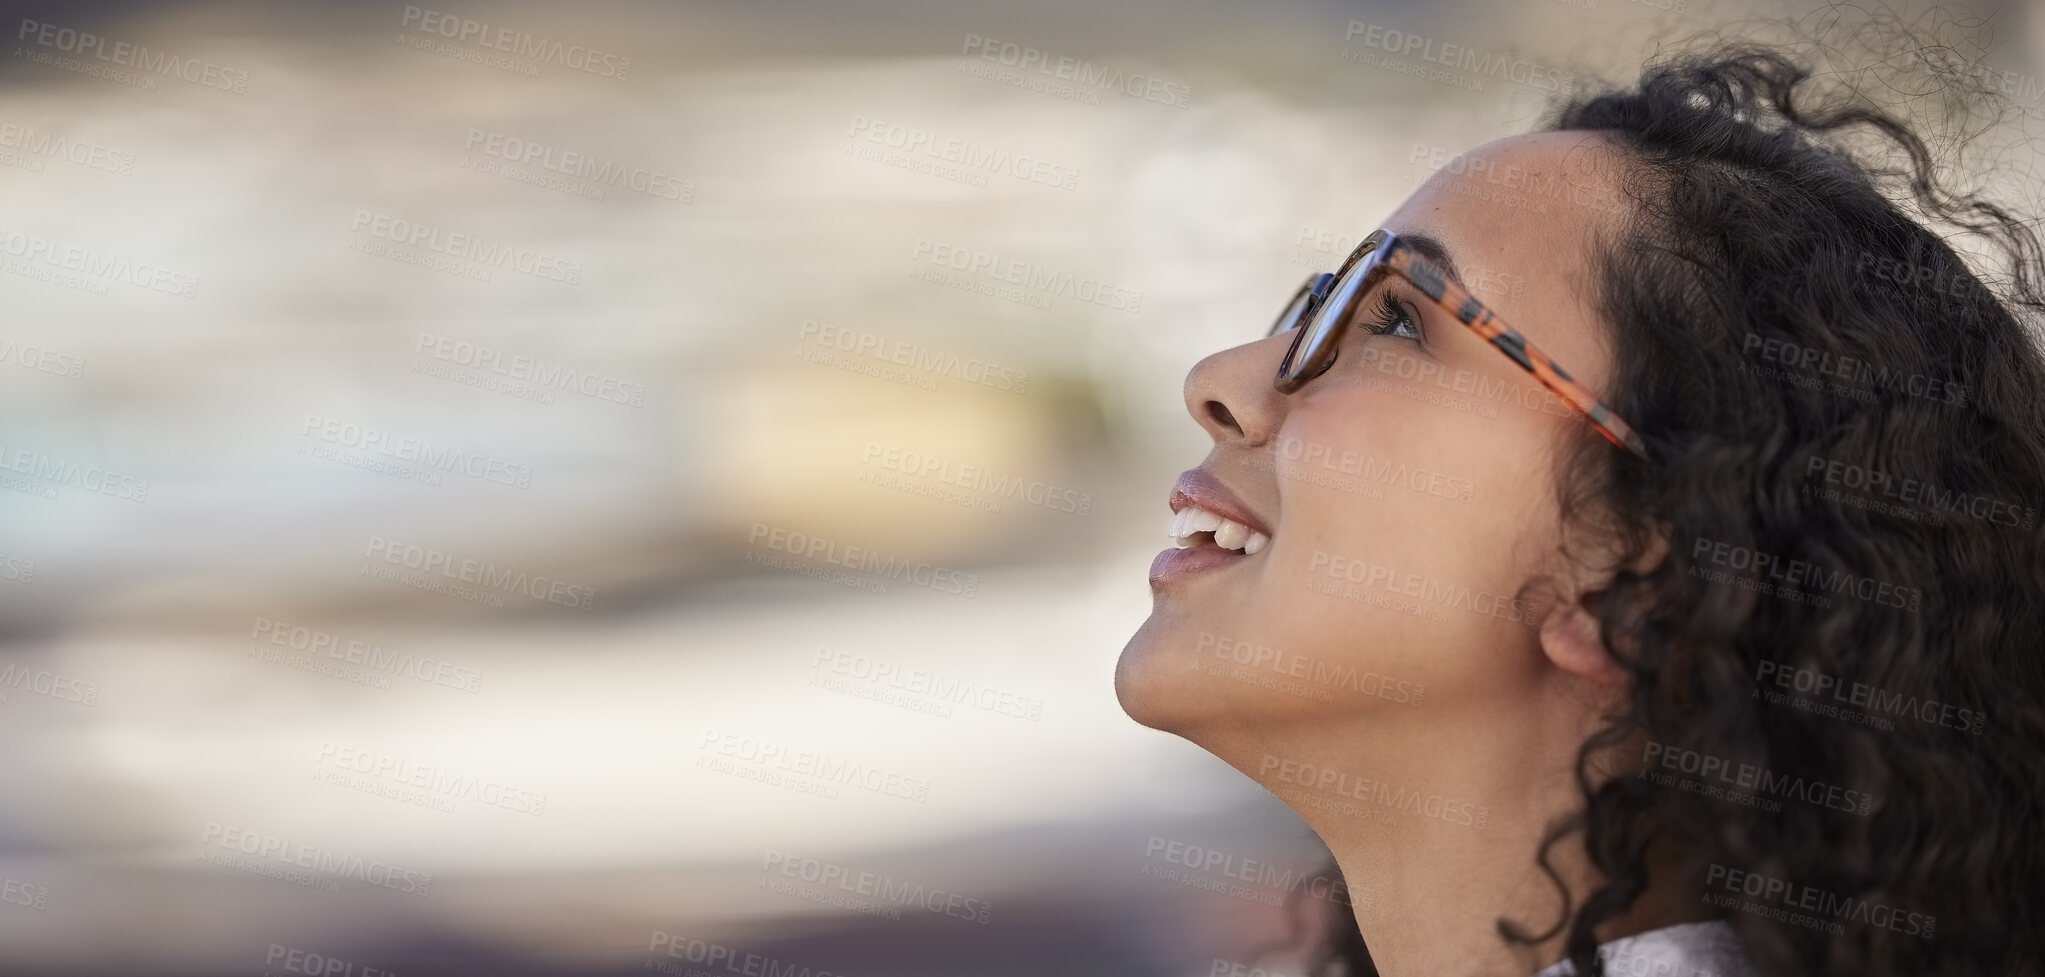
(1231,395)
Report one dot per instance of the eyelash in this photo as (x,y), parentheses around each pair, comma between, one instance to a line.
(1390,313)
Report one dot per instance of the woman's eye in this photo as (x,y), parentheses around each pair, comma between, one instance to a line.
(1392,319)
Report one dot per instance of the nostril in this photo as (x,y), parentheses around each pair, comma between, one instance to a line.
(1221,414)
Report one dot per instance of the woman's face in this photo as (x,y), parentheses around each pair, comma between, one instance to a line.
(1407,492)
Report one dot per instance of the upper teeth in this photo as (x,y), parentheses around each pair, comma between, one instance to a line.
(1228,534)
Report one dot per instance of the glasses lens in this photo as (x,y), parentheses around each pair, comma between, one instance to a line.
(1290,316)
(1315,351)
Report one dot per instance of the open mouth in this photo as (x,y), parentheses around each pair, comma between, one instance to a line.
(1193,526)
(1211,529)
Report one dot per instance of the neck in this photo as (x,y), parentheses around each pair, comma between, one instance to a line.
(1436,823)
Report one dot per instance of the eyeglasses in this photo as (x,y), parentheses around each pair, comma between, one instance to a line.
(1325,303)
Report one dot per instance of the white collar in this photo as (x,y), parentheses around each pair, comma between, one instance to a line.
(1707,949)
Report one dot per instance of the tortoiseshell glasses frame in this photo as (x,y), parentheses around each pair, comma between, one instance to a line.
(1326,303)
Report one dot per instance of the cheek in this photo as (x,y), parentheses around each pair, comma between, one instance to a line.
(1407,531)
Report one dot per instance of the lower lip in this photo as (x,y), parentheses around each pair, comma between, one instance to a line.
(1175,563)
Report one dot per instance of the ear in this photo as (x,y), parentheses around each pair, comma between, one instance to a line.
(1574,642)
(1571,636)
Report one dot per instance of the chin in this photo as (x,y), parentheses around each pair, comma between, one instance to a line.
(1142,680)
(1159,687)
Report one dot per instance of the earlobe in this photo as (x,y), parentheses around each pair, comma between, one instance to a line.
(1574,641)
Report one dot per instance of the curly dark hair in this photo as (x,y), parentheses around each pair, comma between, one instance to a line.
(1847,431)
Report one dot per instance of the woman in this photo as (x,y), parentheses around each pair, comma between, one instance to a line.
(1638,550)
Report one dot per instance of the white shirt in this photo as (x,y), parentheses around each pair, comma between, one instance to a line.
(1707,949)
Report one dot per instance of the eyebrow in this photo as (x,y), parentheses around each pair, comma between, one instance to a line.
(1435,252)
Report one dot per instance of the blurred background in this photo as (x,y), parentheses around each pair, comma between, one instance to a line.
(525,488)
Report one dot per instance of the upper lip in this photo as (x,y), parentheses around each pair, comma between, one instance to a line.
(1199,487)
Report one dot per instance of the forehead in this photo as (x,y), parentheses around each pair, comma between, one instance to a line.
(1527,183)
(1521,216)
